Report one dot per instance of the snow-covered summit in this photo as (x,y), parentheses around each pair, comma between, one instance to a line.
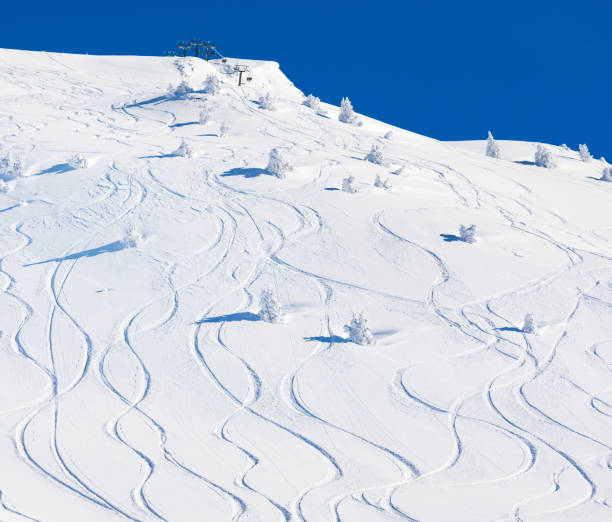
(221,301)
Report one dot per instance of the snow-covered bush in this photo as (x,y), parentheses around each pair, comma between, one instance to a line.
(467,234)
(132,238)
(543,157)
(271,311)
(266,102)
(5,186)
(348,185)
(77,161)
(358,331)
(347,115)
(375,155)
(277,165)
(583,150)
(184,150)
(388,135)
(11,166)
(565,147)
(381,183)
(492,147)
(180,90)
(223,129)
(212,85)
(529,325)
(204,116)
(313,102)
(606,174)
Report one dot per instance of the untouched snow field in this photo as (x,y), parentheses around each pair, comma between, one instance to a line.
(137,381)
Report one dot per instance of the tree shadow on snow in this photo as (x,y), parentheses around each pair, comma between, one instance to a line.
(169,155)
(525,162)
(56,169)
(509,329)
(330,339)
(247,173)
(92,252)
(230,318)
(184,124)
(449,238)
(332,188)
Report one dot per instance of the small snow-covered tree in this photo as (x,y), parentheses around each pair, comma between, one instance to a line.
(5,187)
(381,183)
(543,157)
(492,147)
(204,116)
(467,234)
(375,155)
(277,165)
(358,331)
(271,311)
(212,85)
(565,147)
(313,102)
(347,115)
(388,135)
(223,129)
(132,237)
(606,174)
(348,185)
(529,325)
(11,166)
(266,102)
(77,161)
(585,155)
(184,150)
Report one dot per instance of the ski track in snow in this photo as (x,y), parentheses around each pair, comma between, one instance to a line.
(455,414)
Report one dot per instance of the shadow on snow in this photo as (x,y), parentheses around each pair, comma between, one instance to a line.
(92,252)
(247,173)
(230,318)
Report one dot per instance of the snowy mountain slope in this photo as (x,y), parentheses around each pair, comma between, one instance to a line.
(137,381)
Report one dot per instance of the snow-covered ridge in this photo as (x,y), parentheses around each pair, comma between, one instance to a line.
(239,302)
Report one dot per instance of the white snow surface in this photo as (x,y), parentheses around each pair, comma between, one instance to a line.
(138,383)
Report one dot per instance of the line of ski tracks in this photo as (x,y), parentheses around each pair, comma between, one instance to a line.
(524,369)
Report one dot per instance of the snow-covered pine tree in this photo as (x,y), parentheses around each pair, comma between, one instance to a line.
(223,129)
(543,157)
(313,102)
(382,183)
(77,161)
(204,116)
(347,115)
(375,155)
(529,325)
(11,166)
(277,165)
(583,150)
(271,311)
(348,185)
(266,102)
(467,234)
(212,85)
(358,331)
(606,174)
(132,237)
(184,150)
(492,147)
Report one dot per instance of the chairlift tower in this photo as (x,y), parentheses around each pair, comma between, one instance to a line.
(240,69)
(211,48)
(183,46)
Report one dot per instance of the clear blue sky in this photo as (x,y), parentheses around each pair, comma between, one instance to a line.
(529,70)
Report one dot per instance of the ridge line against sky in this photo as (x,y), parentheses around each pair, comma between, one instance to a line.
(526,71)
